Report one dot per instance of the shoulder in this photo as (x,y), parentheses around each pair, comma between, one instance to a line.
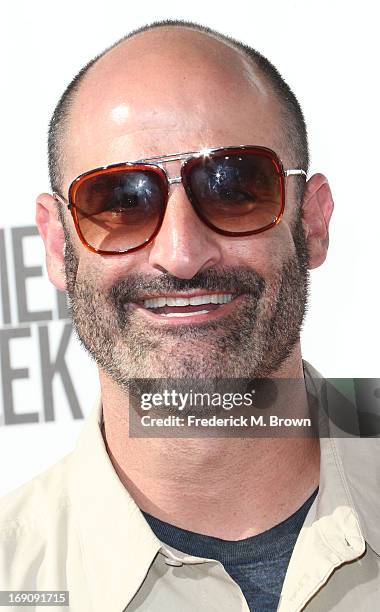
(33,504)
(38,532)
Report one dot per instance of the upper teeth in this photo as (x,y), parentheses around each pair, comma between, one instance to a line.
(216,298)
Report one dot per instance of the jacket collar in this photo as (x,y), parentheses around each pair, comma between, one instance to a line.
(117,545)
(340,521)
(351,459)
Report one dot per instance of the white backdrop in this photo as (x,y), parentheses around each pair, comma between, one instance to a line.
(328,51)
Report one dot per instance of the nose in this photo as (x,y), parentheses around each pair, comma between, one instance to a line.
(184,245)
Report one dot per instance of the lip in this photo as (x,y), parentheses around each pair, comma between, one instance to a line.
(219,312)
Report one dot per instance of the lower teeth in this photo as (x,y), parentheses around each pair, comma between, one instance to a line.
(184,314)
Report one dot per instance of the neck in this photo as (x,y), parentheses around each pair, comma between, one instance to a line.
(230,488)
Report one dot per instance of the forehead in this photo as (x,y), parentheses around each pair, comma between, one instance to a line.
(168,91)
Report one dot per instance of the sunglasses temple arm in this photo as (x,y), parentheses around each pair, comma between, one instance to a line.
(294,171)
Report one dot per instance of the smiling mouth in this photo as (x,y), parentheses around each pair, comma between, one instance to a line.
(180,306)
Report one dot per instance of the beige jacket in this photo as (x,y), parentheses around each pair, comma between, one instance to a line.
(76,528)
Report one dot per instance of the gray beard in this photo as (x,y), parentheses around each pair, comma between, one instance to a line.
(252,342)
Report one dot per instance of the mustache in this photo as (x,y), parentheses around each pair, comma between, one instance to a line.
(235,280)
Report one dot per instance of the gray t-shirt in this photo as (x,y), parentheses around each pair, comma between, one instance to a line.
(258,564)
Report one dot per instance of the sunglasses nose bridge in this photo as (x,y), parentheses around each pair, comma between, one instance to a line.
(174,180)
(172,169)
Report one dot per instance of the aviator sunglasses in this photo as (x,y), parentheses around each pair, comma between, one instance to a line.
(235,191)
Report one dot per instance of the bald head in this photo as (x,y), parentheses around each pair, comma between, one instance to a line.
(170,88)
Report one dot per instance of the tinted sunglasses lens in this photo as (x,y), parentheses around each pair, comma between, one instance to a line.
(236,192)
(118,210)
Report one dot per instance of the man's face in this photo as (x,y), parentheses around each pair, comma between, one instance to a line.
(154,96)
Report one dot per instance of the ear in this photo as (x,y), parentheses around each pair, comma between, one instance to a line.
(317,208)
(51,232)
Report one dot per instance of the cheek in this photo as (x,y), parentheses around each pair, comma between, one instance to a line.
(105,271)
(266,253)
